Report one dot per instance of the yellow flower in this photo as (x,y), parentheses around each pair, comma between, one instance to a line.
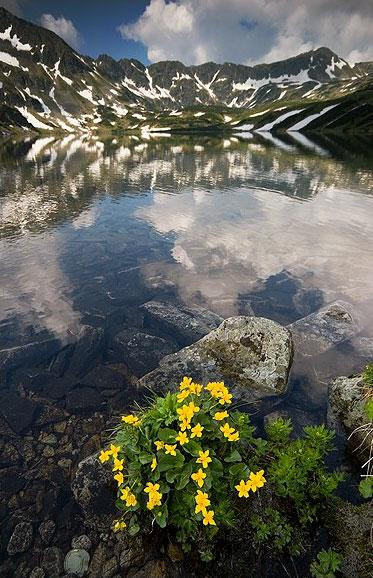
(119,525)
(195,389)
(119,478)
(226,429)
(219,415)
(125,492)
(243,489)
(182,395)
(153,464)
(198,477)
(131,500)
(225,398)
(182,438)
(114,451)
(131,419)
(185,383)
(170,449)
(256,480)
(159,445)
(104,456)
(154,500)
(193,408)
(197,431)
(234,437)
(150,488)
(118,465)
(204,458)
(208,518)
(185,424)
(202,501)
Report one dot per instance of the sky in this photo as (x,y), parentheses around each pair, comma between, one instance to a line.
(196,31)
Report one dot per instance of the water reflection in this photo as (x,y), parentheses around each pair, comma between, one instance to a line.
(89,227)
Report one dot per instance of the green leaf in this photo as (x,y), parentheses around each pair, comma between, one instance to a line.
(168,462)
(133,526)
(192,447)
(234,456)
(145,458)
(240,471)
(216,467)
(366,487)
(167,435)
(161,516)
(184,477)
(171,475)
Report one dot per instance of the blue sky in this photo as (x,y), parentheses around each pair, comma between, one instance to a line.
(196,31)
(96,22)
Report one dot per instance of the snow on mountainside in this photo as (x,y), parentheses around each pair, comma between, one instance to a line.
(45,85)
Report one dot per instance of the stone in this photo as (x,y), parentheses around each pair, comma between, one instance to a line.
(328,327)
(76,562)
(28,355)
(87,352)
(65,463)
(98,560)
(347,403)
(184,324)
(110,568)
(21,538)
(83,400)
(350,528)
(19,412)
(141,351)
(48,452)
(82,541)
(52,562)
(47,438)
(104,377)
(12,481)
(153,568)
(251,354)
(60,427)
(174,552)
(133,555)
(50,414)
(37,573)
(92,491)
(46,531)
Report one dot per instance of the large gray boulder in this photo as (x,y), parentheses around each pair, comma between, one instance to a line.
(251,354)
(184,324)
(347,402)
(325,329)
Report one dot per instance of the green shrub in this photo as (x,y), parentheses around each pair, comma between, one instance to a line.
(192,464)
(328,563)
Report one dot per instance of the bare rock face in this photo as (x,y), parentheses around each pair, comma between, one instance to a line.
(92,491)
(347,402)
(324,329)
(252,354)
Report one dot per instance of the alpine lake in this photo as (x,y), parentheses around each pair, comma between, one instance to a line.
(91,230)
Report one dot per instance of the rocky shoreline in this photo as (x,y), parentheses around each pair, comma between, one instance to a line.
(55,416)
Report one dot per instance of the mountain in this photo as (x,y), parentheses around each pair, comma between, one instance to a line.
(47,86)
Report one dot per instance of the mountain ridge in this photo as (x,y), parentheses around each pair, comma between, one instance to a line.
(47,85)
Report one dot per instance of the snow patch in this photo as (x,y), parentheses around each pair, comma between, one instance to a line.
(267,127)
(14,40)
(304,122)
(31,119)
(8,59)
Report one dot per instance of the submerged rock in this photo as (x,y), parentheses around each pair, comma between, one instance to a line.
(184,324)
(19,412)
(21,539)
(347,400)
(140,351)
(76,562)
(92,491)
(324,329)
(253,354)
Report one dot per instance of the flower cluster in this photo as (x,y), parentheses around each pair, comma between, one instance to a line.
(177,456)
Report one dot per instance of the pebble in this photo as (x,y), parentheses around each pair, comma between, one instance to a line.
(21,539)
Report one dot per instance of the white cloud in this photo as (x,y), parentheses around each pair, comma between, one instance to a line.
(63,27)
(251,31)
